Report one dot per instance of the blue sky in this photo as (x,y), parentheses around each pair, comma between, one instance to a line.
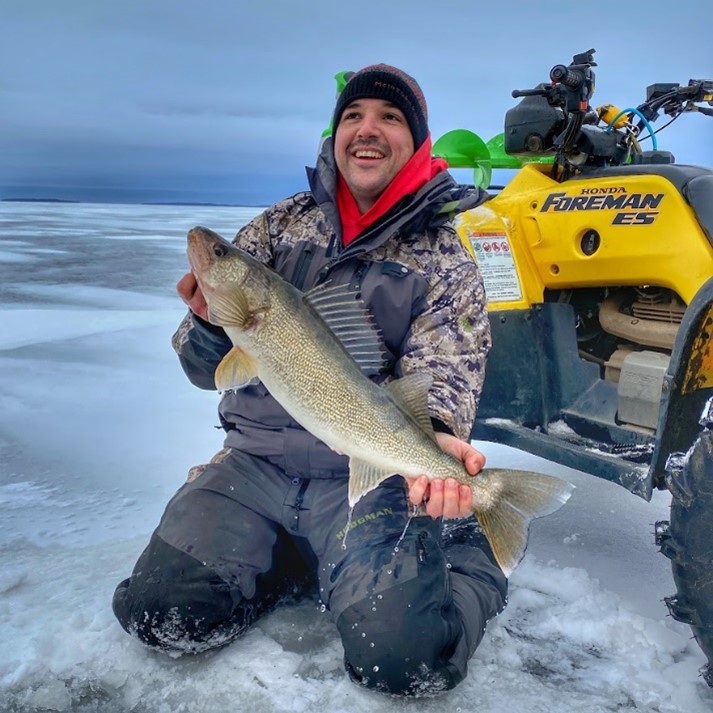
(224,101)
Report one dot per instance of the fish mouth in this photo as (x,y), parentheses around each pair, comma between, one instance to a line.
(199,253)
(195,269)
(192,252)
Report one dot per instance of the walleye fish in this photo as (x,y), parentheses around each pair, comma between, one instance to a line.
(311,351)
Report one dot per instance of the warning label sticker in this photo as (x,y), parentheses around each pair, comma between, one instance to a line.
(496,263)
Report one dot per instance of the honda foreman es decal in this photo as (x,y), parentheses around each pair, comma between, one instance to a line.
(632,208)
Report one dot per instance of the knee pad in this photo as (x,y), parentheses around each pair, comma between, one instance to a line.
(173,602)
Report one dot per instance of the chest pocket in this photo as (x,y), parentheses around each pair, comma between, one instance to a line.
(299,263)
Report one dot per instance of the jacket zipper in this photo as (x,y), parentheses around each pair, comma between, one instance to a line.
(414,206)
(300,274)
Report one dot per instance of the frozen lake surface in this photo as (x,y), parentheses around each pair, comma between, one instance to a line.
(98,427)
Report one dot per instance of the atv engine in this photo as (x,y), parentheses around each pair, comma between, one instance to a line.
(630,333)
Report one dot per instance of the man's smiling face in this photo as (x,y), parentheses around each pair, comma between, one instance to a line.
(372,143)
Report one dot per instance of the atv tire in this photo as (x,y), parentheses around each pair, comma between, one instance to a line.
(688,542)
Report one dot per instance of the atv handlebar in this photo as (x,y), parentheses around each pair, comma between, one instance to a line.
(516,93)
(556,118)
(573,79)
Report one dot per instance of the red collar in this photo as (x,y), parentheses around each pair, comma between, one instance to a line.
(420,169)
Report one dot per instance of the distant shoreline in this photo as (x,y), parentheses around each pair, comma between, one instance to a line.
(176,203)
(37,200)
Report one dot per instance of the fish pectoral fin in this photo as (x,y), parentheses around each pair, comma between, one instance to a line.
(237,370)
(363,478)
(410,392)
(228,307)
(519,497)
(240,305)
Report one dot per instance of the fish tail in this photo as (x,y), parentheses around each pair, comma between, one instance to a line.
(518,498)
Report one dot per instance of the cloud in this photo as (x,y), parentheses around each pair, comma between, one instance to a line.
(149,89)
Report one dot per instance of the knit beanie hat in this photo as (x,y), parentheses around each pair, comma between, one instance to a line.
(382,81)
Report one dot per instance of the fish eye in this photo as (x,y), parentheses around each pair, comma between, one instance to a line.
(220,250)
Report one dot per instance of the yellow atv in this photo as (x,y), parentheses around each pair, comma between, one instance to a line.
(598,265)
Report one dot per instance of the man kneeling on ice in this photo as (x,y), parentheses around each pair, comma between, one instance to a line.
(269,517)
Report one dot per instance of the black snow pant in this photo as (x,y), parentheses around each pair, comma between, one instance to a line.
(410,608)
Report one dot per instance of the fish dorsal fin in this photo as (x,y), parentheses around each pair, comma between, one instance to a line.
(351,322)
(239,305)
(363,478)
(410,392)
(235,371)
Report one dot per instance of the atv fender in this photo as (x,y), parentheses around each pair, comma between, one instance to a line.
(688,384)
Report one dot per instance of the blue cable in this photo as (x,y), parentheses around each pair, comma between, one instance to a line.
(654,143)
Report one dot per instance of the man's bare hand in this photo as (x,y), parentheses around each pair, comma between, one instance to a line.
(189,291)
(447,498)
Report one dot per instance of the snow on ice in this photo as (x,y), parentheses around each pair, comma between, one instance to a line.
(98,428)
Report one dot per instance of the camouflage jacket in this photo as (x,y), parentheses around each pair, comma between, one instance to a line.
(413,274)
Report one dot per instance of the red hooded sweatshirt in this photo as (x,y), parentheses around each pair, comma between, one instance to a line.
(419,169)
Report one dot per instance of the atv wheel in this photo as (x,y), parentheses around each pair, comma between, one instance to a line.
(687,542)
